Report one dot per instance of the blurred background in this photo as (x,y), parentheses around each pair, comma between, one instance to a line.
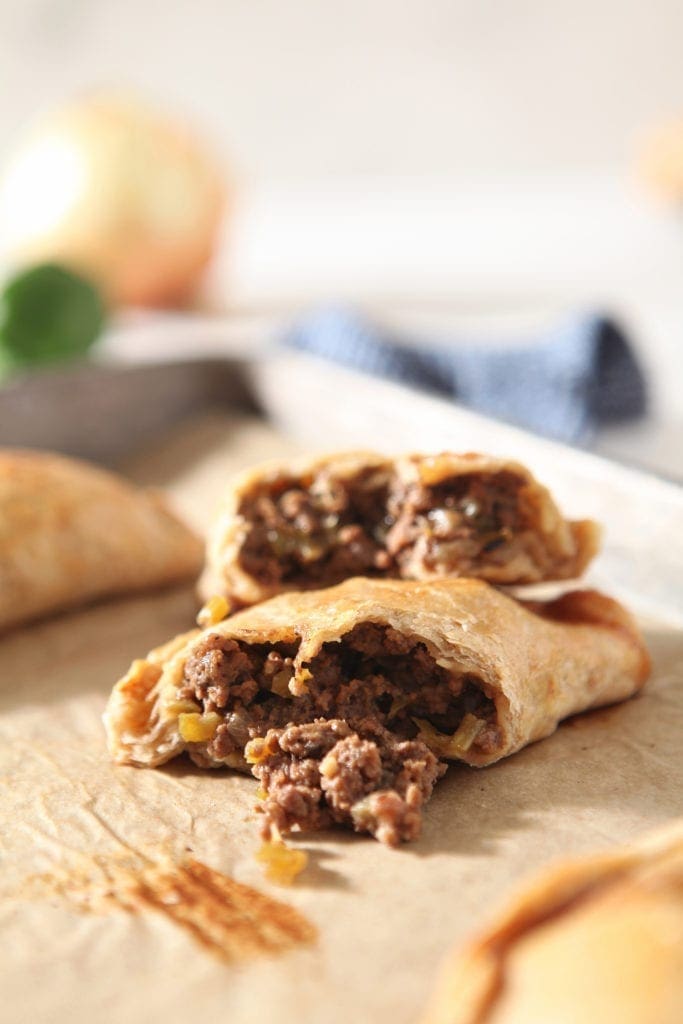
(455,166)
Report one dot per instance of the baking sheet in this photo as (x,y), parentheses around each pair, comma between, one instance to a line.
(384,917)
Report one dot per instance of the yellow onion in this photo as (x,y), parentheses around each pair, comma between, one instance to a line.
(113,190)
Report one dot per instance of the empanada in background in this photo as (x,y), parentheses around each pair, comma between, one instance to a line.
(315,522)
(594,940)
(346,702)
(71,533)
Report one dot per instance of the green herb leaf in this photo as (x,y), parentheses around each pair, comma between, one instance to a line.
(47,314)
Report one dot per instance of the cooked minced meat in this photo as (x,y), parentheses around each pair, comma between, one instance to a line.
(347,750)
(373,526)
(324,772)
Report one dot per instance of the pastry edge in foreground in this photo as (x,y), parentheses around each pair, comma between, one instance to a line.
(597,938)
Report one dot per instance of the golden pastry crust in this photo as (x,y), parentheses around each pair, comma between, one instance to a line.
(71,533)
(551,548)
(581,652)
(599,939)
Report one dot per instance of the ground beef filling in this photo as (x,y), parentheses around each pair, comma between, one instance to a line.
(372,526)
(346,751)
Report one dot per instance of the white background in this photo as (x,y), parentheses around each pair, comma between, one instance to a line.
(309,88)
(457,155)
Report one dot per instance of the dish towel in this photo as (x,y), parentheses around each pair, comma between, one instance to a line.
(564,384)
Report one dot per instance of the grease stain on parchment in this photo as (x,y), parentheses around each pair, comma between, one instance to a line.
(231,920)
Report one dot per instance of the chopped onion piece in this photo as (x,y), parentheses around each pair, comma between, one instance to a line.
(196,728)
(215,610)
(280,683)
(281,863)
(456,745)
(259,750)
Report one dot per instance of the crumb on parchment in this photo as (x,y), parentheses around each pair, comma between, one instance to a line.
(281,864)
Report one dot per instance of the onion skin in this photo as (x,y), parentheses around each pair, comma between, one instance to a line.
(119,194)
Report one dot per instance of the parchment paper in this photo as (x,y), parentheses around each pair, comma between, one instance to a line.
(385,917)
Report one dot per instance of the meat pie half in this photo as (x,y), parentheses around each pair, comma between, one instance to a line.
(347,702)
(290,526)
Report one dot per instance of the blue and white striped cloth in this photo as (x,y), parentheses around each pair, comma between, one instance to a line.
(565,384)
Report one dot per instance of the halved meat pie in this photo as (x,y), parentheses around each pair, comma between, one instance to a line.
(295,526)
(345,703)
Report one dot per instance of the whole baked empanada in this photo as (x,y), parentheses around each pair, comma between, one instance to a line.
(70,533)
(315,522)
(345,702)
(598,939)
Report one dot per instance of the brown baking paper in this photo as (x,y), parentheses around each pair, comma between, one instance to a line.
(384,918)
